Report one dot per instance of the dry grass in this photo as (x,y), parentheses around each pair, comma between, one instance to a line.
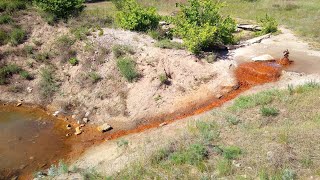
(257,147)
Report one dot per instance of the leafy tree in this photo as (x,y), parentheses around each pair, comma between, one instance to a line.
(61,9)
(134,17)
(202,27)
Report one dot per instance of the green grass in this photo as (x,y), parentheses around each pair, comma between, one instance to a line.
(211,147)
(231,152)
(300,16)
(8,70)
(3,37)
(192,155)
(127,68)
(12,5)
(121,50)
(94,77)
(17,36)
(73,61)
(167,44)
(269,111)
(224,167)
(5,19)
(47,85)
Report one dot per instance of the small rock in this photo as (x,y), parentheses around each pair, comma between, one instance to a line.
(73,116)
(29,89)
(31,157)
(236,87)
(56,113)
(218,96)
(104,127)
(265,57)
(14,178)
(82,125)
(87,114)
(19,104)
(236,164)
(68,126)
(78,131)
(163,124)
(67,135)
(85,120)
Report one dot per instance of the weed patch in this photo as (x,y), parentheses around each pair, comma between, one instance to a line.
(127,68)
(48,85)
(167,44)
(266,111)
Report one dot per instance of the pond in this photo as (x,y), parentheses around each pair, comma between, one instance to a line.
(29,140)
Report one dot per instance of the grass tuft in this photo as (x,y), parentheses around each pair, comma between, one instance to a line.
(127,68)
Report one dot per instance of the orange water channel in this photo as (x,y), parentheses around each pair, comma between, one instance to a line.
(30,139)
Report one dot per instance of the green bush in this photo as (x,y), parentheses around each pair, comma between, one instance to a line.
(3,37)
(5,19)
(202,27)
(61,9)
(134,17)
(17,36)
(127,68)
(265,111)
(73,61)
(269,24)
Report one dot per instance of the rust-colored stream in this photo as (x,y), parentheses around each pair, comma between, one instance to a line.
(68,148)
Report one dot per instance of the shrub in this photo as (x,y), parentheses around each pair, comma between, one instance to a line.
(269,24)
(28,49)
(42,57)
(5,19)
(265,111)
(8,70)
(127,68)
(163,79)
(3,37)
(73,61)
(193,155)
(95,77)
(233,120)
(167,44)
(202,27)
(17,36)
(47,84)
(61,9)
(231,152)
(132,16)
(26,75)
(81,33)
(65,42)
(121,50)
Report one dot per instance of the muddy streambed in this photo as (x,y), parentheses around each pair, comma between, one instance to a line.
(30,139)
